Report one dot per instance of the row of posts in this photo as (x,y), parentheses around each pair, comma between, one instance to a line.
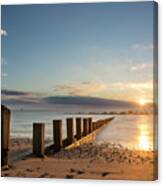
(84,127)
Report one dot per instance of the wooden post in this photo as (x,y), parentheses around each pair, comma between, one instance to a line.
(90,125)
(96,124)
(85,126)
(93,126)
(57,134)
(70,131)
(78,128)
(38,139)
(5,130)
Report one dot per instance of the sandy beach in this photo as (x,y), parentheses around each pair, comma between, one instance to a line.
(88,161)
(79,93)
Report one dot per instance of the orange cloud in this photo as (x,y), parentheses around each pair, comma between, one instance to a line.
(82,89)
(144,86)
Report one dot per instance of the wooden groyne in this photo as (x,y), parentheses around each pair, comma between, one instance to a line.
(86,131)
(95,128)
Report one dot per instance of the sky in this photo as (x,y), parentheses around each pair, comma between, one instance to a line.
(102,50)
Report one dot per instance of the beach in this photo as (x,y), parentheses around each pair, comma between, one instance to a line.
(105,154)
(79,91)
(89,161)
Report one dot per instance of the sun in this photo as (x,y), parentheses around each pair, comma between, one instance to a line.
(142,101)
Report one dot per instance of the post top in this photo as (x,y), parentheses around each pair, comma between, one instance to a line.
(38,123)
(4,108)
(69,119)
(57,120)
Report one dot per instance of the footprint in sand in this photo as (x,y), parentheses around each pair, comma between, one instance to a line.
(80,172)
(20,174)
(45,174)
(29,170)
(76,171)
(103,174)
(72,170)
(69,176)
(5,175)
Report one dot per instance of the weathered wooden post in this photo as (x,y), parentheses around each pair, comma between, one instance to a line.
(5,130)
(99,124)
(78,128)
(90,125)
(96,124)
(93,126)
(85,126)
(70,131)
(57,134)
(38,139)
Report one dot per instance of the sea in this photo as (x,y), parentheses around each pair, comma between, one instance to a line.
(130,131)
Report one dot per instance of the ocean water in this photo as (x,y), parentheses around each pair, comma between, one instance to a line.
(132,131)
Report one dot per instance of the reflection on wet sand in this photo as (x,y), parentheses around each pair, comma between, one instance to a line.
(145,136)
(134,132)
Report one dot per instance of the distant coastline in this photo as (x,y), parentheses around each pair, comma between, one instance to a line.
(128,112)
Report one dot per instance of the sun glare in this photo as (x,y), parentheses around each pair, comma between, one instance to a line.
(143,143)
(142,101)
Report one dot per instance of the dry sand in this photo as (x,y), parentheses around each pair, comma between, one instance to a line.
(89,161)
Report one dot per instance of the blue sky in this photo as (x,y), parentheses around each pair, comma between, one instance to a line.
(100,50)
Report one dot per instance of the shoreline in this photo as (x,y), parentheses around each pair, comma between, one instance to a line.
(112,161)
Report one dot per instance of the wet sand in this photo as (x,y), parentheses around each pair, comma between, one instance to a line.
(88,161)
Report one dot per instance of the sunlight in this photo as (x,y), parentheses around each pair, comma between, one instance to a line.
(143,143)
(142,101)
(143,139)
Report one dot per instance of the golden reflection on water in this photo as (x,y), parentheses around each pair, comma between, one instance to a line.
(131,131)
(144,138)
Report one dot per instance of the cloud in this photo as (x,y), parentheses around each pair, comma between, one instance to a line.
(20,101)
(4,74)
(140,67)
(142,46)
(135,91)
(3,61)
(20,98)
(82,89)
(87,101)
(14,96)
(132,85)
(3,32)
(3,64)
(15,93)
